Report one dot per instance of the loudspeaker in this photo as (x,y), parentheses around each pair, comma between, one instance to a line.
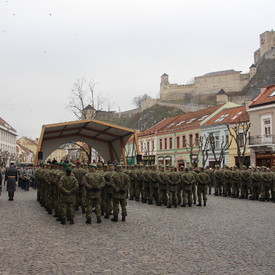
(40,155)
(139,158)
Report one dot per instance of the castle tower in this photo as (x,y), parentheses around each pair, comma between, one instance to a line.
(164,84)
(252,70)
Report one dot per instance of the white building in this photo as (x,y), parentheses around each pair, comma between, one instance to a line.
(7,143)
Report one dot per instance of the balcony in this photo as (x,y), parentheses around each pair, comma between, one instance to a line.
(262,140)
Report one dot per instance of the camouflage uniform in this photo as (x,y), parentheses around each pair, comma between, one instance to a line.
(139,182)
(218,181)
(173,180)
(194,193)
(154,184)
(146,184)
(79,173)
(132,176)
(120,183)
(227,182)
(266,181)
(187,179)
(255,184)
(210,173)
(108,190)
(162,190)
(245,176)
(93,182)
(203,181)
(68,186)
(235,179)
(272,187)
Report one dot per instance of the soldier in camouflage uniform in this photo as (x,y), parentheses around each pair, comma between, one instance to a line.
(68,186)
(146,184)
(210,173)
(93,182)
(245,177)
(194,185)
(79,173)
(132,176)
(139,182)
(173,180)
(218,174)
(109,190)
(227,182)
(235,179)
(58,173)
(255,183)
(120,183)
(162,190)
(266,181)
(154,184)
(187,181)
(203,181)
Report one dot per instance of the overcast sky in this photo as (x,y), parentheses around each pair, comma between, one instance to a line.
(122,46)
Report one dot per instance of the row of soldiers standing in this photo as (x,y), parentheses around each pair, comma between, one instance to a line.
(255,183)
(63,188)
(166,186)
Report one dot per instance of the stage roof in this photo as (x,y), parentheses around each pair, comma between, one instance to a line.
(107,139)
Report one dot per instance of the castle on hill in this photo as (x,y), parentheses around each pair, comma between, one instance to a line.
(230,81)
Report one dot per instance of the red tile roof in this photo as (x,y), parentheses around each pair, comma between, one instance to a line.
(226,116)
(267,97)
(4,123)
(188,120)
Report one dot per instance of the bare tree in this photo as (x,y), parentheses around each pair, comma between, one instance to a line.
(219,154)
(137,101)
(205,148)
(239,134)
(190,148)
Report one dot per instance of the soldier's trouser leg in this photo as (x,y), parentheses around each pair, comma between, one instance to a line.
(204,195)
(199,191)
(103,201)
(89,209)
(97,205)
(174,198)
(138,192)
(123,204)
(71,210)
(109,207)
(115,207)
(169,197)
(194,193)
(64,207)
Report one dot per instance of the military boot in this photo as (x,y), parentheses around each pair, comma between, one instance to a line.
(63,221)
(71,221)
(106,216)
(89,221)
(123,219)
(150,202)
(204,204)
(98,220)
(169,205)
(183,205)
(199,204)
(114,219)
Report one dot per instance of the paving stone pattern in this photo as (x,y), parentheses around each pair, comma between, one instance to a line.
(228,236)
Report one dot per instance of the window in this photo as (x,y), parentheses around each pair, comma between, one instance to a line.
(197,140)
(178,142)
(165,143)
(153,145)
(160,144)
(170,143)
(217,143)
(148,146)
(190,140)
(267,128)
(183,141)
(240,139)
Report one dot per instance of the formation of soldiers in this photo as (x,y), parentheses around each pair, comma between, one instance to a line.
(255,183)
(65,188)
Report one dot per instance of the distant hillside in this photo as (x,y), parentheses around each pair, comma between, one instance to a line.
(147,118)
(264,77)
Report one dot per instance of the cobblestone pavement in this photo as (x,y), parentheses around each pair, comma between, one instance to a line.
(228,236)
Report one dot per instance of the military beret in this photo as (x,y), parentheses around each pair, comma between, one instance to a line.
(92,165)
(85,164)
(119,166)
(69,169)
(78,162)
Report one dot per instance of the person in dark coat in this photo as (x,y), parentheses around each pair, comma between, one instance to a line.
(11,178)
